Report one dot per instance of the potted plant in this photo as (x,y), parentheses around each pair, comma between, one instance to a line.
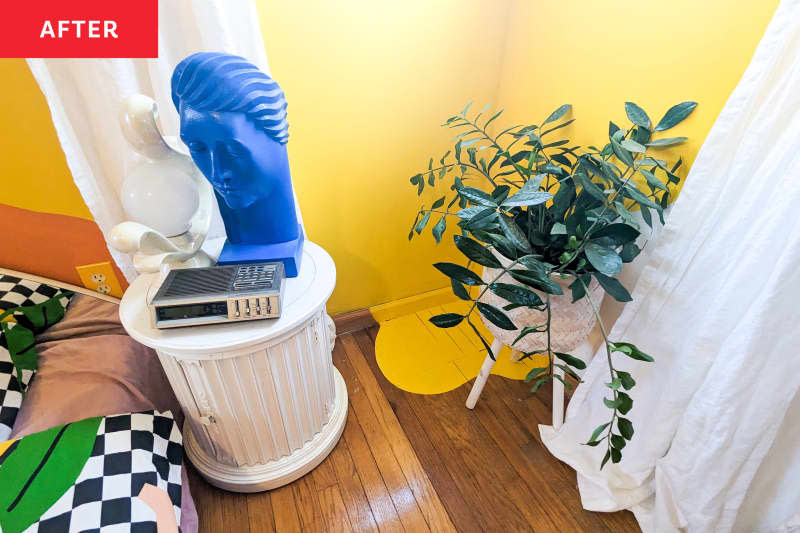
(549,221)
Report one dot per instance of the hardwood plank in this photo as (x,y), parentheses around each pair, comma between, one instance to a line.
(323,475)
(374,487)
(432,462)
(352,490)
(426,498)
(284,510)
(308,506)
(353,321)
(259,512)
(380,448)
(333,510)
(532,409)
(537,467)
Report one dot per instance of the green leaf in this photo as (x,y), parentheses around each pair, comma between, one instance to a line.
(557,114)
(652,179)
(629,252)
(612,404)
(615,384)
(459,273)
(558,229)
(477,196)
(516,294)
(674,115)
(616,455)
(535,280)
(637,115)
(589,186)
(554,128)
(483,341)
(613,287)
(514,234)
(496,316)
(527,330)
(640,198)
(626,379)
(605,260)
(669,141)
(493,117)
(464,111)
(597,431)
(625,403)
(438,203)
(618,442)
(439,228)
(621,153)
(476,252)
(632,146)
(606,457)
(578,289)
(539,382)
(566,383)
(631,351)
(534,373)
(446,320)
(625,427)
(422,222)
(620,233)
(571,360)
(528,195)
(459,290)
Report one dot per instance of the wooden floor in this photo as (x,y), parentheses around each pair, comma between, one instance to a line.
(420,463)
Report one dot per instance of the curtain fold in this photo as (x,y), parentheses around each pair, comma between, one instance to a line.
(84,96)
(716,306)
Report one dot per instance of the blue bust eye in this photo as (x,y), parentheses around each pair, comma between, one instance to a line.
(197,147)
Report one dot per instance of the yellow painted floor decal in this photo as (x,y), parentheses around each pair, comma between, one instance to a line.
(418,357)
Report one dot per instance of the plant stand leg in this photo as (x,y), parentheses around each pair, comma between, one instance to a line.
(516,355)
(483,375)
(558,399)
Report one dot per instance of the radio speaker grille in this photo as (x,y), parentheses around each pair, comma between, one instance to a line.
(192,281)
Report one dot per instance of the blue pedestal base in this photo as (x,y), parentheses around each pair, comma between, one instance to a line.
(290,252)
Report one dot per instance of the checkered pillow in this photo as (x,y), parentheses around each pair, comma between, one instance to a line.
(10,388)
(129,451)
(17,292)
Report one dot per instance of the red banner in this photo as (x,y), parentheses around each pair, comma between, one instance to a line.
(79,28)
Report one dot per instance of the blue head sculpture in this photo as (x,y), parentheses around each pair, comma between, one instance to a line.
(233,119)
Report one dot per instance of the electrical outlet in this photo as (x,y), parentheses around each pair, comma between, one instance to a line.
(100,277)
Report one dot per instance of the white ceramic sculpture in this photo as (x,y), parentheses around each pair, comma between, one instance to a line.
(170,202)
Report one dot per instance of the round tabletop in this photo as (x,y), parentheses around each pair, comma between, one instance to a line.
(302,298)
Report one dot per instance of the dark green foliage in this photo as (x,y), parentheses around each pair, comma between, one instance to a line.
(536,209)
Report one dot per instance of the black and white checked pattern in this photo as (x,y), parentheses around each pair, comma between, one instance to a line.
(129,451)
(16,292)
(10,390)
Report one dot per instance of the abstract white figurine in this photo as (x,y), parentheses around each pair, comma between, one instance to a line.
(165,195)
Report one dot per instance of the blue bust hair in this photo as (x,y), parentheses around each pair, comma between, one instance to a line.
(213,81)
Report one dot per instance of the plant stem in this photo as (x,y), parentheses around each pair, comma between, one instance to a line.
(611,370)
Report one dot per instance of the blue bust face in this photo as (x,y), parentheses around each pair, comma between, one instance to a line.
(242,162)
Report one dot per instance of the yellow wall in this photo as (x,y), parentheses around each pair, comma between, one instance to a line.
(368,82)
(597,55)
(33,171)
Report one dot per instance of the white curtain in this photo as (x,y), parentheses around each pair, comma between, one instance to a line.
(717,416)
(84,96)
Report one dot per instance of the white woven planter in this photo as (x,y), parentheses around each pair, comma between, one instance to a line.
(570,324)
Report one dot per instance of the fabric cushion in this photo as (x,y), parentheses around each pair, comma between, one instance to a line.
(89,366)
(35,306)
(17,292)
(120,473)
